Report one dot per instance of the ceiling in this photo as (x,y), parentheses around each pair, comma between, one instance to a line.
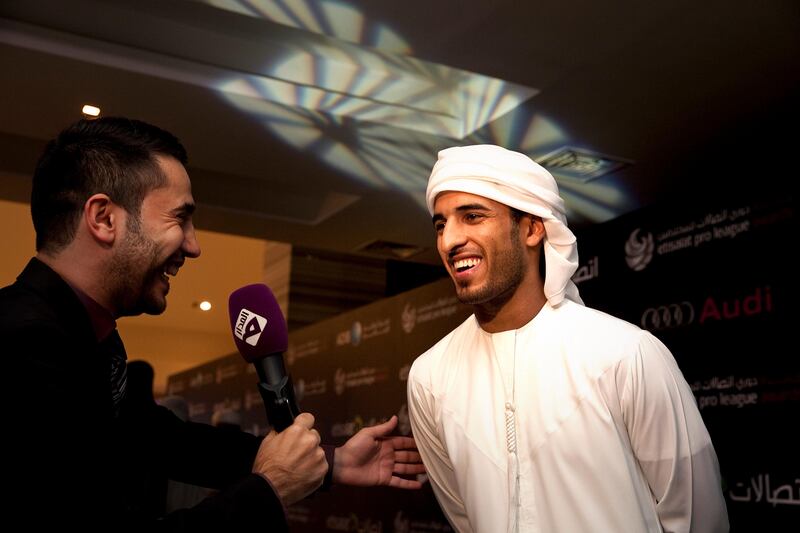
(316,122)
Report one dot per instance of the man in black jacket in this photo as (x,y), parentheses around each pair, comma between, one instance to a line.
(112,208)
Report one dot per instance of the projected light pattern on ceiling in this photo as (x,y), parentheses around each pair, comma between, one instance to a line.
(380,116)
(381,156)
(325,17)
(377,117)
(344,80)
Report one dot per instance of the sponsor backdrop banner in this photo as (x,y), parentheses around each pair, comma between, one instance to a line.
(714,283)
(349,372)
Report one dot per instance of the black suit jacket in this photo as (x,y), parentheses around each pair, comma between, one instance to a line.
(71,462)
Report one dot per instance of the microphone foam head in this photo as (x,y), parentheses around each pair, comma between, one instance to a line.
(257,322)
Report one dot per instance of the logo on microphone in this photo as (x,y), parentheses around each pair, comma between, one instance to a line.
(249,326)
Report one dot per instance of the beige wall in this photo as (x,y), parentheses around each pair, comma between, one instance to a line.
(18,240)
(172,350)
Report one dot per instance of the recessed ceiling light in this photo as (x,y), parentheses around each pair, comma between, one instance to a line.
(580,164)
(205,305)
(90,111)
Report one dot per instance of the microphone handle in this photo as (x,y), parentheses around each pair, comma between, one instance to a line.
(277,391)
(280,402)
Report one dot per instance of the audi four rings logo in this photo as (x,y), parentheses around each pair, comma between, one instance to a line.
(668,316)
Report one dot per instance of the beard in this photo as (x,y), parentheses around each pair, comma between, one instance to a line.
(507,272)
(135,273)
(501,282)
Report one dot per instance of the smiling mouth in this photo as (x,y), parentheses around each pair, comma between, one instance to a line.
(462,265)
(169,272)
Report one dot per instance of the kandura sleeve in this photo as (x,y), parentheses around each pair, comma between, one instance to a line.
(440,470)
(670,441)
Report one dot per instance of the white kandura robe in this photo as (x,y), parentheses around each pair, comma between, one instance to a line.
(607,433)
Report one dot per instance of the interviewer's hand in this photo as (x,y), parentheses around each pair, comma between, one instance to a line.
(292,460)
(372,457)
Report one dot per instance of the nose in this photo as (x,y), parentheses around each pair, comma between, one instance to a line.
(191,248)
(452,237)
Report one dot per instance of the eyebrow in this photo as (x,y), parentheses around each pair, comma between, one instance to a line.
(185,209)
(460,209)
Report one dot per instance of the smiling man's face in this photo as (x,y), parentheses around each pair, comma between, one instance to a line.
(480,244)
(155,244)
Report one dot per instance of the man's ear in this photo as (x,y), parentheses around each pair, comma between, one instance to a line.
(534,230)
(102,218)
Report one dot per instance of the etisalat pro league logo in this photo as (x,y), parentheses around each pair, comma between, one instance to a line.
(249,326)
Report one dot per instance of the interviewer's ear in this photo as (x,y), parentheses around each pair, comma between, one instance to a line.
(102,218)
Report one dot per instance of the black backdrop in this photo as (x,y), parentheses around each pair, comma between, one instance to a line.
(714,282)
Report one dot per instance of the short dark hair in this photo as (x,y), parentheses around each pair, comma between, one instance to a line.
(111,155)
(516,216)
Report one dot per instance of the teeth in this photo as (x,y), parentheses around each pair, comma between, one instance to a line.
(466,263)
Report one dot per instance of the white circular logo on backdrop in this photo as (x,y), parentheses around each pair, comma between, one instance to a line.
(639,250)
(339,379)
(408,318)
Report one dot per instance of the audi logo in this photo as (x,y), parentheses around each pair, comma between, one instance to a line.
(668,316)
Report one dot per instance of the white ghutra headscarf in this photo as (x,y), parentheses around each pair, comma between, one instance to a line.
(515,180)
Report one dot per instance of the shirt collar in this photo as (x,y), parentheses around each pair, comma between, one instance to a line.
(102,320)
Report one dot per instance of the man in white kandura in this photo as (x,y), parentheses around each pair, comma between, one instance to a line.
(538,413)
